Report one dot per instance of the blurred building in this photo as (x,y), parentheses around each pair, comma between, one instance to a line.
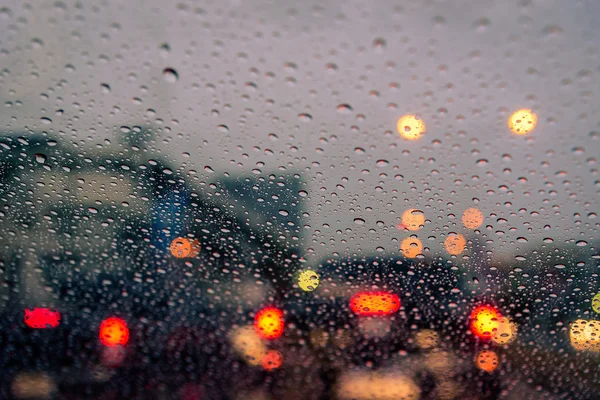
(90,228)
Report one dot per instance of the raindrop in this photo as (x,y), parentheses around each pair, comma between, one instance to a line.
(45,120)
(41,158)
(285,213)
(379,44)
(304,117)
(170,75)
(105,88)
(344,108)
(382,163)
(359,221)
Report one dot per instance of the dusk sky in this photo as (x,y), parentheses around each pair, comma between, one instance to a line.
(315,88)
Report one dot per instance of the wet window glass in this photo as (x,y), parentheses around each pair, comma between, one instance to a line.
(269,200)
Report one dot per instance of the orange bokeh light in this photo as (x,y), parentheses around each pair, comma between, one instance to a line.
(114,332)
(487,360)
(455,243)
(411,247)
(472,218)
(413,219)
(374,303)
(485,321)
(272,360)
(269,323)
(183,247)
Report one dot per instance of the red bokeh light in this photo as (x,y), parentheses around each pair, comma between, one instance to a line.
(272,360)
(484,320)
(374,303)
(114,332)
(269,323)
(42,318)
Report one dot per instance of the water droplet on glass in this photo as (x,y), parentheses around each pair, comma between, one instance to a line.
(379,44)
(105,88)
(45,120)
(359,221)
(41,158)
(344,108)
(285,213)
(170,75)
(305,117)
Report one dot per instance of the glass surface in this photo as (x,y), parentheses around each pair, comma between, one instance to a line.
(299,200)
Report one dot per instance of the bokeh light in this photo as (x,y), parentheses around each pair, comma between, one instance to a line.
(487,360)
(506,332)
(413,219)
(472,218)
(114,332)
(272,360)
(455,243)
(248,344)
(42,318)
(377,385)
(194,248)
(269,323)
(484,321)
(427,339)
(308,280)
(411,247)
(411,127)
(374,303)
(596,303)
(181,247)
(522,121)
(585,335)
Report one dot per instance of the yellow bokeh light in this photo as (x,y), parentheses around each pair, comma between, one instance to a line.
(484,321)
(374,385)
(248,344)
(455,243)
(308,280)
(411,126)
(411,247)
(596,303)
(487,360)
(472,218)
(413,219)
(505,332)
(427,339)
(522,121)
(585,335)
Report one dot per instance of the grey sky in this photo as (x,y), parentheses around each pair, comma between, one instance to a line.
(463,65)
